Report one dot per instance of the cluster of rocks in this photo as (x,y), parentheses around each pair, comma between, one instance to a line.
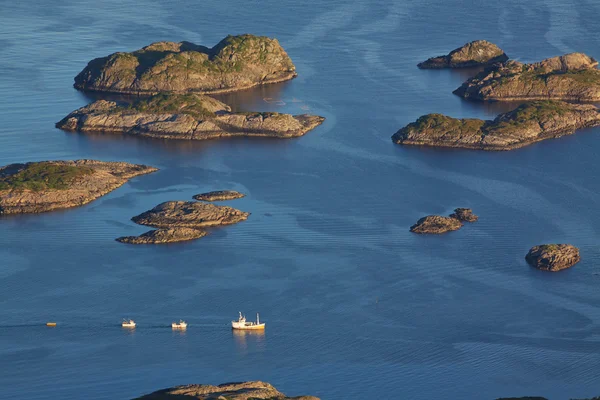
(438,224)
(230,391)
(571,77)
(179,221)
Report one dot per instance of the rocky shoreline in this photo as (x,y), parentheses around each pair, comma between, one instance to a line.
(527,124)
(158,236)
(474,54)
(572,77)
(50,185)
(229,391)
(235,63)
(184,117)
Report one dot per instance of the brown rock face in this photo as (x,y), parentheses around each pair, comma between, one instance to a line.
(171,117)
(529,123)
(570,77)
(553,257)
(158,236)
(228,391)
(51,185)
(219,195)
(236,62)
(464,214)
(436,224)
(473,54)
(189,214)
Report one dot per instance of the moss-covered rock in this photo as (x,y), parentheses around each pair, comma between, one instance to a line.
(553,257)
(236,62)
(49,185)
(570,77)
(184,116)
(160,236)
(219,195)
(189,214)
(473,54)
(526,124)
(230,391)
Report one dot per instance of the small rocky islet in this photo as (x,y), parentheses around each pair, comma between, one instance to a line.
(528,123)
(184,117)
(553,257)
(230,391)
(235,63)
(438,224)
(219,195)
(179,221)
(473,54)
(572,77)
(43,186)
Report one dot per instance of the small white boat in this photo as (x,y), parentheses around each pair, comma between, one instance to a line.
(179,325)
(241,323)
(128,323)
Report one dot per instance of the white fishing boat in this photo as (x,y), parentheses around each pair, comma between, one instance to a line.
(179,325)
(241,323)
(128,323)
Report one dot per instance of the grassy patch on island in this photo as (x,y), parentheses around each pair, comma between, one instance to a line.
(43,176)
(173,103)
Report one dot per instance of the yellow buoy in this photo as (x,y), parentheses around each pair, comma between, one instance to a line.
(50,323)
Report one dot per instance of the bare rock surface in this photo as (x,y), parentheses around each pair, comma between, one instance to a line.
(236,62)
(571,77)
(473,54)
(219,195)
(464,214)
(170,235)
(227,391)
(528,123)
(49,185)
(436,224)
(553,257)
(189,214)
(184,117)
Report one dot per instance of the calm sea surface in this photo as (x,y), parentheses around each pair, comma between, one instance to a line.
(357,307)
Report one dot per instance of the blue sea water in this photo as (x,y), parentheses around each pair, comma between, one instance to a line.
(356,306)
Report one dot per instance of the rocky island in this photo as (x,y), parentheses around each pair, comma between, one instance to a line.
(229,391)
(189,214)
(219,195)
(438,224)
(473,54)
(49,185)
(570,77)
(236,62)
(528,123)
(553,257)
(187,117)
(170,235)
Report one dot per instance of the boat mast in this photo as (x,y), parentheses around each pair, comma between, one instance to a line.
(257,319)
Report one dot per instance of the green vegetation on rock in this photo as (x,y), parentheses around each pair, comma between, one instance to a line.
(173,103)
(43,176)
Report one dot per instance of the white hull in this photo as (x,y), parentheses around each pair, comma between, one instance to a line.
(179,326)
(247,326)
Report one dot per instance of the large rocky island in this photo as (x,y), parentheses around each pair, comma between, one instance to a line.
(528,123)
(473,54)
(570,77)
(49,185)
(227,391)
(187,116)
(236,62)
(553,257)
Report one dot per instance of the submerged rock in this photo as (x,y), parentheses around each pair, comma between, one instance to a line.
(553,257)
(473,54)
(190,214)
(187,117)
(49,185)
(464,214)
(219,195)
(529,123)
(236,62)
(570,77)
(436,224)
(170,235)
(230,391)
